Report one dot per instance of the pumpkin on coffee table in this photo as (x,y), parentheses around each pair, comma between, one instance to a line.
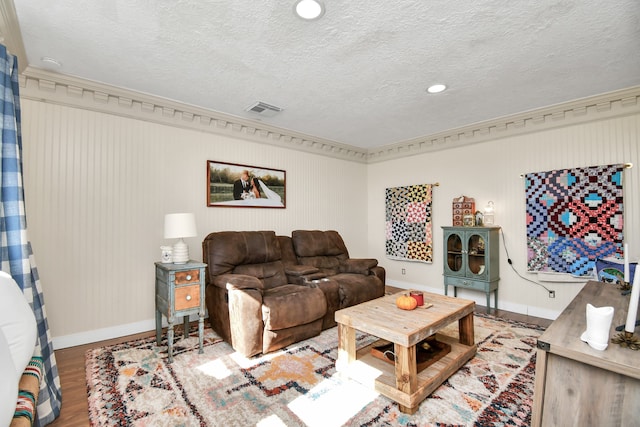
(406,302)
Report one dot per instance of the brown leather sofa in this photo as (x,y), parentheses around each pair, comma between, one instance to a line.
(251,303)
(320,258)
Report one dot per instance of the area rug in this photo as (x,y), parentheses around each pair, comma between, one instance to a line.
(132,384)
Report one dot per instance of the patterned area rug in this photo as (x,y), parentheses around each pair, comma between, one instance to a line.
(131,384)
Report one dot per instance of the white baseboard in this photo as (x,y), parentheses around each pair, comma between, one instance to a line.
(480,299)
(119,331)
(96,335)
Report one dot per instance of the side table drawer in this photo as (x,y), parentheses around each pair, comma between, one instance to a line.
(187,297)
(466,283)
(189,276)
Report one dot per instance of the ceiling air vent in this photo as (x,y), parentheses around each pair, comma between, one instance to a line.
(263,109)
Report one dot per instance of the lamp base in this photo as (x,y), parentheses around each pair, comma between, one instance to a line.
(180,254)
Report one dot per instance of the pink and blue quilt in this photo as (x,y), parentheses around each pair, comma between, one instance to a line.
(574,217)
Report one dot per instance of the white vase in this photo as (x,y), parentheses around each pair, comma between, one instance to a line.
(598,326)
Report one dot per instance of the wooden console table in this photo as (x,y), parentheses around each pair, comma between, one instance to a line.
(577,385)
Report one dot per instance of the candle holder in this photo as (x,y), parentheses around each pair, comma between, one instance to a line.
(627,340)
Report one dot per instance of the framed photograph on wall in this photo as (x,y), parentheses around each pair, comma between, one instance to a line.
(236,185)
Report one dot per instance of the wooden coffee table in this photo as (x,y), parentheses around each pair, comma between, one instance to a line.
(380,317)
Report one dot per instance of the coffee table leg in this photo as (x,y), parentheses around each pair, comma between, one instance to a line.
(465,328)
(346,347)
(406,373)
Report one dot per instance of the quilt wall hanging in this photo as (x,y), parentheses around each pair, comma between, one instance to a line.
(408,223)
(574,217)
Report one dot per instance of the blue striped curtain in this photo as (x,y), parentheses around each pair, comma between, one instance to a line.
(16,257)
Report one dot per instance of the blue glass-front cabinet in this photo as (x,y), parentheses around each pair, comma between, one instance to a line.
(471,260)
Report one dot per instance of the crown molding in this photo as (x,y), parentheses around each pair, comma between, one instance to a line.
(613,104)
(46,86)
(10,34)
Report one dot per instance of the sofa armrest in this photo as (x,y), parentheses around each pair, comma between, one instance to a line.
(244,307)
(300,270)
(237,281)
(245,320)
(299,274)
(358,265)
(380,273)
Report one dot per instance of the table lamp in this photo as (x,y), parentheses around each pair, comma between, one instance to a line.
(489,214)
(178,226)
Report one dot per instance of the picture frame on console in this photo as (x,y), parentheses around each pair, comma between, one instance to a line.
(237,185)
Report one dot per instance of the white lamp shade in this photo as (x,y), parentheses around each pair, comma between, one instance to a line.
(179,225)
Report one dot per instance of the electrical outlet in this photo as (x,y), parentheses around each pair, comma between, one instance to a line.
(552,294)
(404,271)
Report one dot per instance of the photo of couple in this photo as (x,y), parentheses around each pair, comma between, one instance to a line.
(235,185)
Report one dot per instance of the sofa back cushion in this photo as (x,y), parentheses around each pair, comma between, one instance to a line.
(322,249)
(286,248)
(272,274)
(256,253)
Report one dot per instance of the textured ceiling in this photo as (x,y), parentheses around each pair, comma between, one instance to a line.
(356,76)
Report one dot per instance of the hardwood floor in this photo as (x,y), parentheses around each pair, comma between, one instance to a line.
(74,411)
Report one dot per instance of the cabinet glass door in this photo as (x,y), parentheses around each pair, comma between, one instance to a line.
(454,252)
(476,252)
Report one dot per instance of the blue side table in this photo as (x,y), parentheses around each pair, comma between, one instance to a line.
(179,292)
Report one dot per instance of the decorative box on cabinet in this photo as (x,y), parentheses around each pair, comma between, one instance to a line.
(471,260)
(179,292)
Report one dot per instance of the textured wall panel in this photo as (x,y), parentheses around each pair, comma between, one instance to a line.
(491,171)
(98,187)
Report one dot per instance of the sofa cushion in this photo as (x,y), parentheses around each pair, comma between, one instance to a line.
(292,305)
(17,322)
(310,243)
(224,250)
(270,273)
(326,264)
(286,251)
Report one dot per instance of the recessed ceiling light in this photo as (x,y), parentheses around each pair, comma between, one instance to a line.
(309,9)
(437,88)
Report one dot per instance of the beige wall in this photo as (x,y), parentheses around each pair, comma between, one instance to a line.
(97,189)
(491,171)
(98,185)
